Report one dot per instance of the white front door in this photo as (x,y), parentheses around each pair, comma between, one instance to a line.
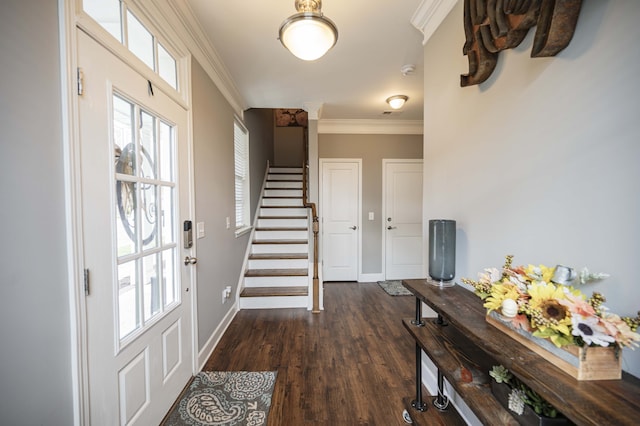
(403,219)
(135,197)
(340,214)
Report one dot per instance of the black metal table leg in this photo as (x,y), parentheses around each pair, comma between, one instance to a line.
(418,321)
(419,404)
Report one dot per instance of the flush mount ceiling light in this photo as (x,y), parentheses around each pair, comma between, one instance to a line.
(397,101)
(308,34)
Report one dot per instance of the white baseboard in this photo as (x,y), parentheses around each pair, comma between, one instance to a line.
(370,278)
(215,337)
(430,381)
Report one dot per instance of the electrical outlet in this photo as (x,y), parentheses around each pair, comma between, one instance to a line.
(226,294)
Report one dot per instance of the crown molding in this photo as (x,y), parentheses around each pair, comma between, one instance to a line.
(314,109)
(429,15)
(373,127)
(190,31)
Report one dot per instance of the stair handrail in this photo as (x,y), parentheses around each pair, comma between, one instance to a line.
(316,228)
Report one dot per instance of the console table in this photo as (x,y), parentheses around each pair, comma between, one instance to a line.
(463,346)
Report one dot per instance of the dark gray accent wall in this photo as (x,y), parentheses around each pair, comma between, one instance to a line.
(259,122)
(35,354)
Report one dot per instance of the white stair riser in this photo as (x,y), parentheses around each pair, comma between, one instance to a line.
(274,302)
(282,223)
(276,281)
(285,170)
(279,248)
(281,235)
(278,263)
(282,202)
(283,192)
(284,211)
(288,184)
(275,176)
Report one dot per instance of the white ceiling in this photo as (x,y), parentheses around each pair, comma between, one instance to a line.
(352,81)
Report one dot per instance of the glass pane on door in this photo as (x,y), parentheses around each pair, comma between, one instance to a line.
(145,215)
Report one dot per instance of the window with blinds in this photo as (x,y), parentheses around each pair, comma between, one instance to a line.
(241,152)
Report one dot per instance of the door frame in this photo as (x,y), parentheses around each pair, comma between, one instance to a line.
(386,161)
(321,163)
(70,22)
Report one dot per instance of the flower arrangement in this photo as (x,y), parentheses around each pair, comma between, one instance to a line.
(543,301)
(522,394)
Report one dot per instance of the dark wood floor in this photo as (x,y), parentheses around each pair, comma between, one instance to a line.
(350,365)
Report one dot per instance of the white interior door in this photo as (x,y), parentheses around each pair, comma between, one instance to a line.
(135,196)
(340,214)
(403,219)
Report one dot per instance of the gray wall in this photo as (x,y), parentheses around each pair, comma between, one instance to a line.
(259,122)
(372,149)
(289,146)
(220,253)
(35,354)
(543,160)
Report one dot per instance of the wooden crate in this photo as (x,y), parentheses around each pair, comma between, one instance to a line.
(582,363)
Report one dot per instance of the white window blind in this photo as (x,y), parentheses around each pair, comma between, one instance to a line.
(241,150)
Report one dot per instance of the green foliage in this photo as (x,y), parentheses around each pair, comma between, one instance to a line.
(501,375)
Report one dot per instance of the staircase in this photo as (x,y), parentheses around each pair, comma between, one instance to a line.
(278,271)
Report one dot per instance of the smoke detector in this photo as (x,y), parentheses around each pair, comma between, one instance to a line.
(407,69)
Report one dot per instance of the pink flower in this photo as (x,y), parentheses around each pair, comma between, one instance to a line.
(577,305)
(619,330)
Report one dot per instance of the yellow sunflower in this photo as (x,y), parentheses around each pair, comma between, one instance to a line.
(539,273)
(549,317)
(500,292)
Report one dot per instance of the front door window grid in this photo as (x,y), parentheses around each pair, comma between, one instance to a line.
(145,216)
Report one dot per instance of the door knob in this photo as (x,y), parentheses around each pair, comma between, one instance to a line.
(391,227)
(353,227)
(190,260)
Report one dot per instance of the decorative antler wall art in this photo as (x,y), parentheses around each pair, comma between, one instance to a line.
(494,25)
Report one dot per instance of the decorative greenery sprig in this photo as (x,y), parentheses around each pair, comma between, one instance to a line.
(522,394)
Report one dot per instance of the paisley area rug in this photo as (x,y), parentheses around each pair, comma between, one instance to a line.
(226,398)
(394,288)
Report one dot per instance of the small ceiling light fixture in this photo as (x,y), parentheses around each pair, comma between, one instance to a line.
(397,101)
(308,34)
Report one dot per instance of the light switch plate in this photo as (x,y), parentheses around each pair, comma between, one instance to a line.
(371,216)
(200,230)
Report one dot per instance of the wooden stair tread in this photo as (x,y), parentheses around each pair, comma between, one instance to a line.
(278,256)
(280,241)
(274,291)
(277,272)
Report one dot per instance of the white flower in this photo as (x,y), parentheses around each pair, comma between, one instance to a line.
(590,330)
(586,276)
(518,282)
(489,275)
(516,401)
